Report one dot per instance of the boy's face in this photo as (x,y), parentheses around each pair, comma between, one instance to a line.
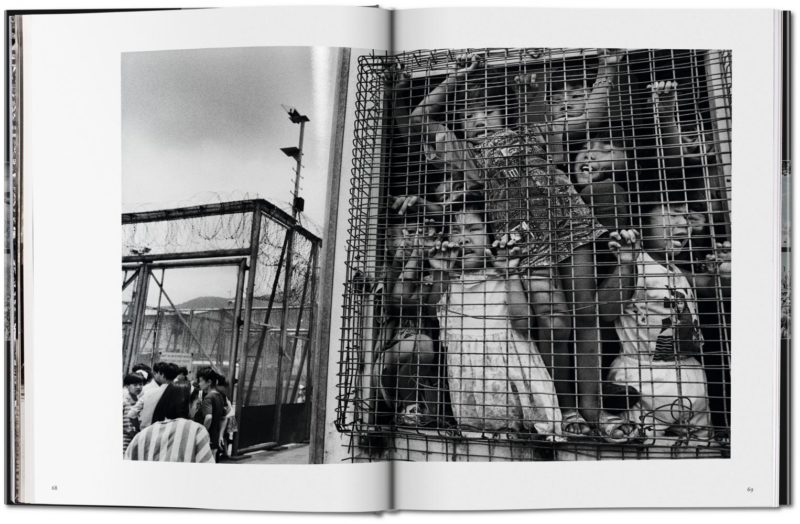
(667,230)
(567,101)
(479,122)
(596,160)
(469,232)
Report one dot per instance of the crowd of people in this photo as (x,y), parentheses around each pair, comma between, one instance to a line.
(493,273)
(168,417)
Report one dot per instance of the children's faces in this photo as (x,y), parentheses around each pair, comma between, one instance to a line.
(135,389)
(570,102)
(667,230)
(595,160)
(404,238)
(479,122)
(468,232)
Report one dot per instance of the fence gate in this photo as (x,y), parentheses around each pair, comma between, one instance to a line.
(229,286)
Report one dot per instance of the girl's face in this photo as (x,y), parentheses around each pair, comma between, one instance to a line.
(568,102)
(135,389)
(480,122)
(596,160)
(469,232)
(667,230)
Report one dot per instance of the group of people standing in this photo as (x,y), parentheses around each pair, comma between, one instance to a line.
(168,418)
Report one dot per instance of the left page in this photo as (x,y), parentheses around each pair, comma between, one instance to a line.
(211,133)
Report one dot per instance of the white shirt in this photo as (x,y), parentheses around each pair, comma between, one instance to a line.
(146,405)
(661,316)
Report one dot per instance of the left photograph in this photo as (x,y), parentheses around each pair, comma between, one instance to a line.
(224,169)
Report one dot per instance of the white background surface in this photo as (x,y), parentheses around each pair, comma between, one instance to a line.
(130,515)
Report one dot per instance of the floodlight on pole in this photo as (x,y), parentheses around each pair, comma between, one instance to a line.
(297,154)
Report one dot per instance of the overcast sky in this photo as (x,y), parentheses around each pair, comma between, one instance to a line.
(203,126)
(206,125)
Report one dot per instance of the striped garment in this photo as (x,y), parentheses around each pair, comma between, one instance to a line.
(180,440)
(128,431)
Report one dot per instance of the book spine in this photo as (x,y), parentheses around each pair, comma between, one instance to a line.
(784,492)
(13,269)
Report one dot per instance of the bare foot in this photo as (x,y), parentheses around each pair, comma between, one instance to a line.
(573,424)
(616,429)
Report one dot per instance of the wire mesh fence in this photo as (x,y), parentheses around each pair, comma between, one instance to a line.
(229,286)
(538,256)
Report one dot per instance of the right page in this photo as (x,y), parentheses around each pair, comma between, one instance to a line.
(538,262)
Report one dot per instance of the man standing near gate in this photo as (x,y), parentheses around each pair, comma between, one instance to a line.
(163,374)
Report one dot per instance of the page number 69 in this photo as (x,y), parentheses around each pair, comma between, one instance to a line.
(750,490)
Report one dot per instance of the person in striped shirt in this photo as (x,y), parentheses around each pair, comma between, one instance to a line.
(131,389)
(172,437)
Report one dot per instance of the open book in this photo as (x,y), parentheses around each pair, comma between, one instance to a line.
(358,246)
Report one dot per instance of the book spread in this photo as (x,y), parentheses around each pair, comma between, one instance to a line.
(462,235)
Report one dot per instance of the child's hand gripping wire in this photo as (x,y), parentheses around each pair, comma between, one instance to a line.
(395,74)
(443,254)
(626,245)
(528,84)
(505,254)
(719,263)
(717,274)
(685,143)
(665,98)
(468,63)
(408,204)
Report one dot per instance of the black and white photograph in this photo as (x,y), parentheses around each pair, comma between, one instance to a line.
(225,154)
(361,244)
(539,256)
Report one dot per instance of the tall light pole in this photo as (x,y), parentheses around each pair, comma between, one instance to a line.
(298,204)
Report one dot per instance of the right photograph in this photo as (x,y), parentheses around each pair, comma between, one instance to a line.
(538,257)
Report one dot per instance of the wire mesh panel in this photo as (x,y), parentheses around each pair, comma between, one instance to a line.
(538,259)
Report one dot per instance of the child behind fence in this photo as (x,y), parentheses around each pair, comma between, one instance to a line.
(497,380)
(532,202)
(407,371)
(653,306)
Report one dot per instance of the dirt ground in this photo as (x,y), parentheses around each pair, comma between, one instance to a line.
(292,454)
